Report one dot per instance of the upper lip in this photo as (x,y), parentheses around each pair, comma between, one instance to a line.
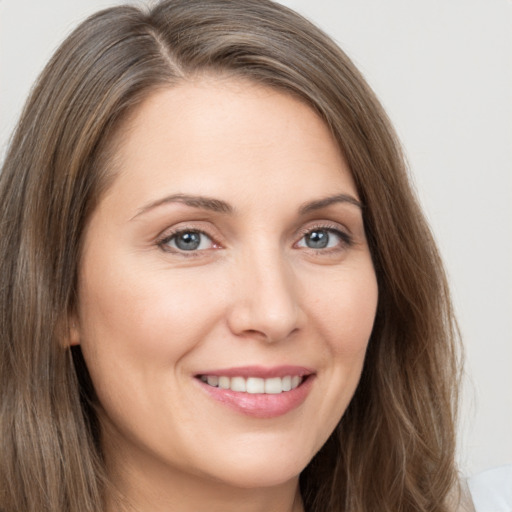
(259,371)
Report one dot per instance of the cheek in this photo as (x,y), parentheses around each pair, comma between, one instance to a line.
(346,311)
(343,312)
(132,318)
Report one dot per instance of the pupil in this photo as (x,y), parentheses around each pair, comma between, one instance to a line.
(317,239)
(188,241)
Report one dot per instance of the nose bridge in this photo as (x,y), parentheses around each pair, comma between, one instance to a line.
(265,301)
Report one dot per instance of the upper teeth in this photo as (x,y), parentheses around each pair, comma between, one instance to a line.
(273,385)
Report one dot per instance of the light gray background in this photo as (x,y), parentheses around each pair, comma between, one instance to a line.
(443,70)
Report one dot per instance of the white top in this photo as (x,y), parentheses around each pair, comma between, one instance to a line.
(492,490)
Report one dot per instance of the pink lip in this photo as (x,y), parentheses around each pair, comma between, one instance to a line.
(261,405)
(260,371)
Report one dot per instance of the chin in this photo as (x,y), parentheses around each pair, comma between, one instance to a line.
(259,478)
(262,471)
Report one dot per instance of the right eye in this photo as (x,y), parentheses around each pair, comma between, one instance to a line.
(320,239)
(187,240)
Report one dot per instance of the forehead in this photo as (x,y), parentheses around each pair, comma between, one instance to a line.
(210,133)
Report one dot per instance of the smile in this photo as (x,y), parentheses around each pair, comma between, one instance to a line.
(258,391)
(253,385)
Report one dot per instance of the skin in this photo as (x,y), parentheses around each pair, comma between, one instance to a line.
(151,316)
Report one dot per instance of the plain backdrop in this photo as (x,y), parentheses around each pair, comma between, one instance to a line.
(443,70)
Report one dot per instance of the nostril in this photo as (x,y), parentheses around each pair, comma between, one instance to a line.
(264,303)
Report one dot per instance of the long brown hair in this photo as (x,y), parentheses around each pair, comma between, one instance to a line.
(393,450)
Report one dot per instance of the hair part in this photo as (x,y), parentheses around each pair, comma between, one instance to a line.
(393,450)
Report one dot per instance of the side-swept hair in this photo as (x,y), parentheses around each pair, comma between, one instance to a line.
(393,450)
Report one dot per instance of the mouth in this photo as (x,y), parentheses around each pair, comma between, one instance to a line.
(258,392)
(254,385)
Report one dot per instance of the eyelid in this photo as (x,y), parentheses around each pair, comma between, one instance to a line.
(335,227)
(168,234)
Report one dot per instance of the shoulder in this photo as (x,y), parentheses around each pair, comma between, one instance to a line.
(492,490)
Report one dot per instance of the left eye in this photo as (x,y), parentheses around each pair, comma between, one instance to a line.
(321,238)
(189,241)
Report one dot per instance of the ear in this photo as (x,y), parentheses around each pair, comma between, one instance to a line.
(70,332)
(74,334)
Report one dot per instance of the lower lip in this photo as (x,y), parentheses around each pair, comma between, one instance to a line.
(261,405)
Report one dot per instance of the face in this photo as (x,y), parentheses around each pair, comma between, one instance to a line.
(226,293)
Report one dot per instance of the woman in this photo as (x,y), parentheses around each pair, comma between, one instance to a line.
(218,290)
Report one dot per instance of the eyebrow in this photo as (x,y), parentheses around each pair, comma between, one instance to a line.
(219,206)
(327,201)
(202,202)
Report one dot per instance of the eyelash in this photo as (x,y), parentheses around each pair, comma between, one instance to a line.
(163,242)
(345,239)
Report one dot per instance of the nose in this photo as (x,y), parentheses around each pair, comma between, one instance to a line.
(265,301)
